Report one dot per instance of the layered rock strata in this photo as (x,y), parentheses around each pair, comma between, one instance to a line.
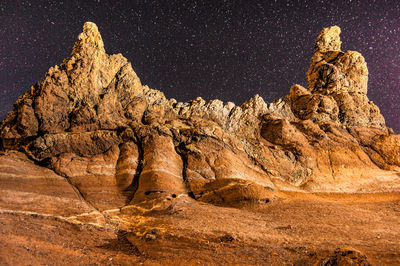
(118,142)
(28,187)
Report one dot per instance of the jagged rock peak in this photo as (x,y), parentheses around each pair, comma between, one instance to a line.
(89,39)
(328,40)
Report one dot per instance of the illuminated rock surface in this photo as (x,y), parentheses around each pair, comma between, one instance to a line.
(90,146)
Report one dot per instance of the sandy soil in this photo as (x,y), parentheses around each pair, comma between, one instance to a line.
(294,228)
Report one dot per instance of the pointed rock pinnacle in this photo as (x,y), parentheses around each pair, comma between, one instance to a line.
(328,40)
(89,41)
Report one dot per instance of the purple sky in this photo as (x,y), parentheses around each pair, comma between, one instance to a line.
(230,50)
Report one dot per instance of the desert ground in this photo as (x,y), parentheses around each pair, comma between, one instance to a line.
(293,228)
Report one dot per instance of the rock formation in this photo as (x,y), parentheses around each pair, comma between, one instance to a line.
(343,77)
(116,141)
(90,145)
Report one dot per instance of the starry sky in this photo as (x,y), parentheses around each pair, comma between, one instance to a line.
(230,50)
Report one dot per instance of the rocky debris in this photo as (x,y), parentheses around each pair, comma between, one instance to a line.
(118,142)
(341,256)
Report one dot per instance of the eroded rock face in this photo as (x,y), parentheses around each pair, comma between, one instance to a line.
(389,148)
(343,76)
(328,40)
(96,177)
(28,187)
(118,142)
(162,168)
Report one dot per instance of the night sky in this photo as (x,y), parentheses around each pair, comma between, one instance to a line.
(230,50)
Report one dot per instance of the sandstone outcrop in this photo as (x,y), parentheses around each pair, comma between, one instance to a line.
(343,76)
(28,187)
(119,142)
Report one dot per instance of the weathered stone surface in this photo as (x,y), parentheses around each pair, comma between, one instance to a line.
(89,91)
(388,146)
(161,169)
(328,40)
(211,163)
(107,180)
(343,76)
(316,107)
(83,144)
(95,177)
(127,168)
(119,142)
(28,187)
(20,122)
(228,191)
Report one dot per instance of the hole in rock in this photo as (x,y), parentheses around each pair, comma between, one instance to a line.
(226,238)
(153,191)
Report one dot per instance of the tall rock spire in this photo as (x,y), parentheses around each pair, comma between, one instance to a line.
(343,77)
(89,39)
